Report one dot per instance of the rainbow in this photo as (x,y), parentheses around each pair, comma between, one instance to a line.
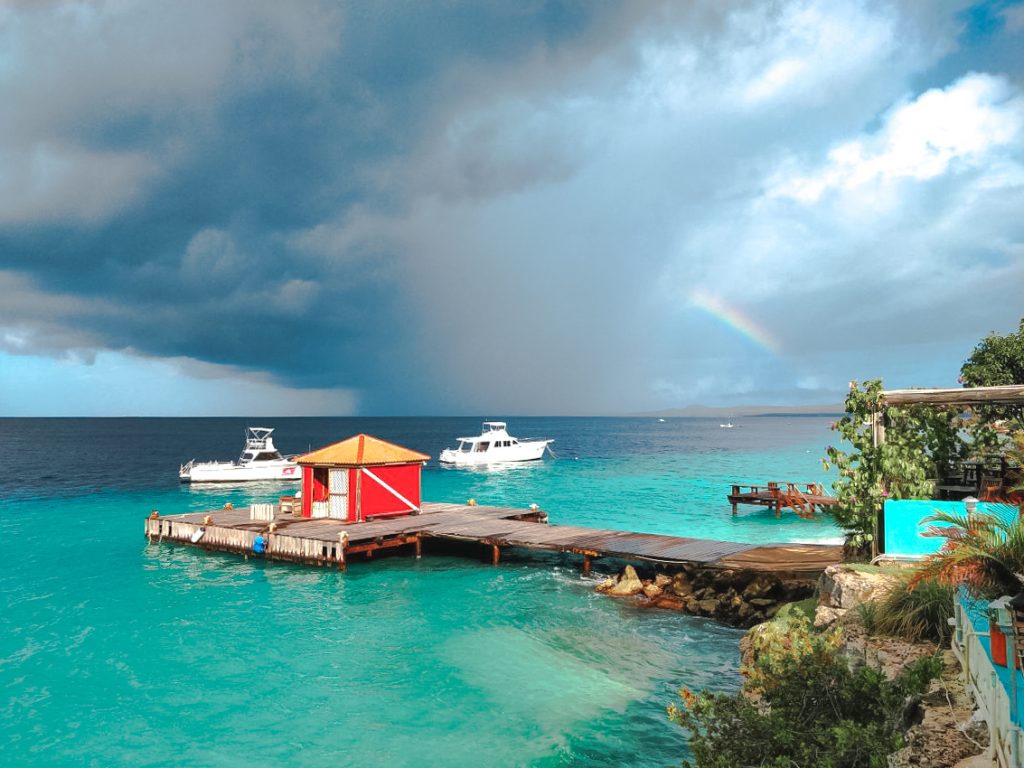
(735,319)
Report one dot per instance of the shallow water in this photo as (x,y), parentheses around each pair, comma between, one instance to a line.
(115,652)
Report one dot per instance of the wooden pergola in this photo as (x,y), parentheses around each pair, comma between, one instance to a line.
(965,397)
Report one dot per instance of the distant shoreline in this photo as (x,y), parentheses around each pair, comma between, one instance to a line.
(750,410)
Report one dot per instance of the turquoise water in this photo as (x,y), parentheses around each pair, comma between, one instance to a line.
(116,652)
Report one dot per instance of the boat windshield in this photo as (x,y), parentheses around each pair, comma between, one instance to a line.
(268,456)
(465,446)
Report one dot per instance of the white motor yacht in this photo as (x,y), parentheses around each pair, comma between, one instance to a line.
(260,460)
(493,446)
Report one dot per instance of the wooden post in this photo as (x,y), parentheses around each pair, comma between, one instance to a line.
(359,494)
(586,565)
(419,548)
(495,554)
(734,508)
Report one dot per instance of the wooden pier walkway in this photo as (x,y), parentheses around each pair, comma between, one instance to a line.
(326,542)
(802,498)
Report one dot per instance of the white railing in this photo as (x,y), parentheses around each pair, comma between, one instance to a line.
(261,512)
(982,684)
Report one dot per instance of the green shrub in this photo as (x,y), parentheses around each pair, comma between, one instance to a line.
(813,710)
(916,609)
(868,612)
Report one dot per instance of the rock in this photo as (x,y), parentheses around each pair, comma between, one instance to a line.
(681,585)
(661,580)
(629,583)
(725,579)
(606,585)
(761,602)
(669,601)
(825,617)
(652,590)
(844,587)
(760,586)
(709,607)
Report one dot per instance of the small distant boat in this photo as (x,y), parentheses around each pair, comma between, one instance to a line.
(494,445)
(727,425)
(662,420)
(260,460)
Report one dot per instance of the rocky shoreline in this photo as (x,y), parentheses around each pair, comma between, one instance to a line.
(734,597)
(945,734)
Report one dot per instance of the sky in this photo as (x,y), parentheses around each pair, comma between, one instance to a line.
(402,208)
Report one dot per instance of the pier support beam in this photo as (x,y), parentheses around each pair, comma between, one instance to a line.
(495,554)
(419,547)
(586,565)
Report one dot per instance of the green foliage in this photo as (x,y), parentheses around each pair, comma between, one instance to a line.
(813,710)
(869,611)
(788,637)
(917,440)
(915,608)
(806,607)
(996,361)
(981,551)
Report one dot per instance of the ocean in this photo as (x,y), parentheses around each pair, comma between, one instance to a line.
(115,652)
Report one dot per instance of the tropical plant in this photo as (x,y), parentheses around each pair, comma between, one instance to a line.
(996,361)
(982,551)
(813,709)
(915,609)
(919,440)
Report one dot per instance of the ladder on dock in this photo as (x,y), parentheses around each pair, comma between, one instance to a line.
(805,499)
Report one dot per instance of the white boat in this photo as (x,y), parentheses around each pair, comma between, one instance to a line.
(727,425)
(260,460)
(493,446)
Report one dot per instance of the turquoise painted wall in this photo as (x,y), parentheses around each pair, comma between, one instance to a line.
(903,529)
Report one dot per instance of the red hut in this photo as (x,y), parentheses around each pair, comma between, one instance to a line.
(361,478)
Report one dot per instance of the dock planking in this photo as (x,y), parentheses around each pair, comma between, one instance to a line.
(326,542)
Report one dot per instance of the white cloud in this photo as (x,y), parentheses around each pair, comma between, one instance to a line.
(965,126)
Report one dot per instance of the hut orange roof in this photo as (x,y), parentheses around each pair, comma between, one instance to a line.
(361,451)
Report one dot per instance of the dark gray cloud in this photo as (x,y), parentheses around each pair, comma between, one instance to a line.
(500,205)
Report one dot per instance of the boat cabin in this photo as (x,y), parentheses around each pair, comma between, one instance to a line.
(259,446)
(360,479)
(494,435)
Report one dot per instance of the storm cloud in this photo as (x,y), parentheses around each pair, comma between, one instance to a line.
(510,207)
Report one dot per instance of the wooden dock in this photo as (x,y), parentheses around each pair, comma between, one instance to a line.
(331,543)
(803,498)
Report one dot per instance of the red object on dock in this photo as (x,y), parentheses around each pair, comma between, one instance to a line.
(361,478)
(998,641)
